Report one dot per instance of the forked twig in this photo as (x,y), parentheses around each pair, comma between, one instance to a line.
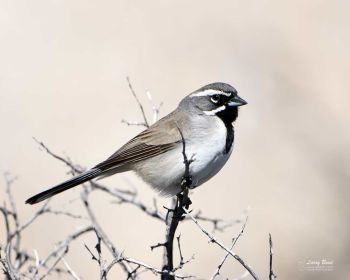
(138,102)
(214,240)
(234,241)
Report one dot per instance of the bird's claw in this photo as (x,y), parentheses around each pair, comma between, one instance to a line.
(186,182)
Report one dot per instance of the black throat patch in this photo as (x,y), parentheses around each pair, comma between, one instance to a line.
(230,136)
(228,116)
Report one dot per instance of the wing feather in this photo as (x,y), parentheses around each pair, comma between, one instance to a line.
(158,139)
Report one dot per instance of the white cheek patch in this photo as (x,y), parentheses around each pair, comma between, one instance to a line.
(217,110)
(210,92)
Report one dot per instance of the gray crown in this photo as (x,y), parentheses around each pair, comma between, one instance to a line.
(219,86)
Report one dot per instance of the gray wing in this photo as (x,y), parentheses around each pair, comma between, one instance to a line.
(157,139)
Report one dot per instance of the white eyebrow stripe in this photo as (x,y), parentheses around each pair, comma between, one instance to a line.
(210,92)
(217,110)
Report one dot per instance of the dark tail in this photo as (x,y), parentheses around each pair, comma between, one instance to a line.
(77,180)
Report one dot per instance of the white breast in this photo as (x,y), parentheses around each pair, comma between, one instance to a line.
(164,172)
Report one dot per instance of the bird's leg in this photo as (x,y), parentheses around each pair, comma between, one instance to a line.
(186,182)
(183,201)
(182,197)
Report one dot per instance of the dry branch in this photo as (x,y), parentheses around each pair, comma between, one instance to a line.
(234,241)
(214,240)
(272,276)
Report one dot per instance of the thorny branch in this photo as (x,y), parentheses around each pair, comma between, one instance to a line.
(272,276)
(98,259)
(149,267)
(104,237)
(176,214)
(214,240)
(17,263)
(234,241)
(220,224)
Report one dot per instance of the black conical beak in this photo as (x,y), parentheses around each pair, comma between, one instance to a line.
(237,101)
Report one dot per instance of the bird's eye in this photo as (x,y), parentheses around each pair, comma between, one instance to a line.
(215,98)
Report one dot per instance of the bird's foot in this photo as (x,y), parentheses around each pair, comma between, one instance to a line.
(186,182)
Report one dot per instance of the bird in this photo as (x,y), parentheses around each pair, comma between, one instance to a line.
(203,121)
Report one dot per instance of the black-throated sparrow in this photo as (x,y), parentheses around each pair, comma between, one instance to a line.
(205,119)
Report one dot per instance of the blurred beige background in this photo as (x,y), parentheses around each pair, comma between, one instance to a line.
(62,79)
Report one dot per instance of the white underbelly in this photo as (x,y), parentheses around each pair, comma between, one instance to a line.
(164,172)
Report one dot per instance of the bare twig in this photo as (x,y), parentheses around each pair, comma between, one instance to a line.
(70,270)
(155,108)
(161,272)
(217,242)
(51,268)
(98,259)
(133,123)
(272,276)
(62,246)
(10,269)
(243,276)
(234,241)
(180,252)
(182,261)
(158,245)
(9,182)
(105,239)
(146,124)
(30,220)
(6,214)
(7,268)
(66,161)
(65,213)
(218,224)
(132,199)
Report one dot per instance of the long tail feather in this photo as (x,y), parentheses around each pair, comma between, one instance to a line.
(77,180)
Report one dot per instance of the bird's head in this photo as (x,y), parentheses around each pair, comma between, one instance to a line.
(216,99)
